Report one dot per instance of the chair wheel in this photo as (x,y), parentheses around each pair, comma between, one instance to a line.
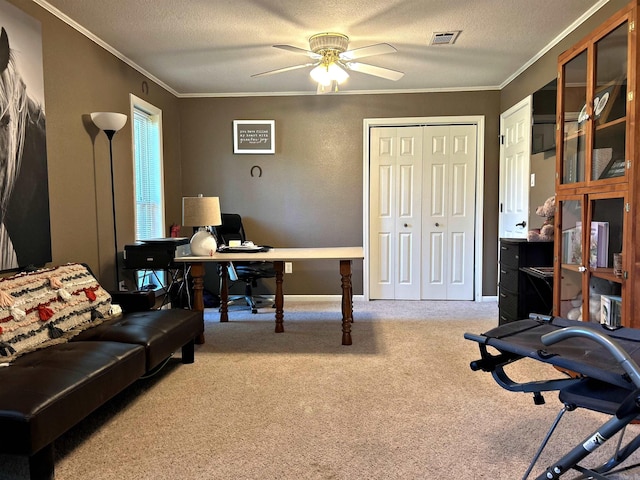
(254,310)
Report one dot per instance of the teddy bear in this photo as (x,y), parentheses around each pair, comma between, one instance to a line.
(545,232)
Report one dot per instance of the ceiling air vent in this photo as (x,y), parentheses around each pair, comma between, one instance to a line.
(445,38)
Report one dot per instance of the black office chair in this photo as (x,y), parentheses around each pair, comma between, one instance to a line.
(247,272)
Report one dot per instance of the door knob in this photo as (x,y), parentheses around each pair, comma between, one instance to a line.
(437,224)
(521,224)
(406,225)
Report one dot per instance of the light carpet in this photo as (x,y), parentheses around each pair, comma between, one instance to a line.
(400,403)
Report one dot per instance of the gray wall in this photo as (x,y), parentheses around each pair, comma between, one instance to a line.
(311,190)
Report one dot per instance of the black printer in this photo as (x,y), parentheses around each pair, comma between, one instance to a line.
(155,254)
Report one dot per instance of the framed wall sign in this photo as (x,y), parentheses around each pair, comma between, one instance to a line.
(254,136)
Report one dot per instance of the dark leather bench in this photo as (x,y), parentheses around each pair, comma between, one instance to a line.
(161,332)
(46,392)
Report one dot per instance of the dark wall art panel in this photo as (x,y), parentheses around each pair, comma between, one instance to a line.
(25,235)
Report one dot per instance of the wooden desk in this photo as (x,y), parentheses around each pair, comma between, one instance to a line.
(345,255)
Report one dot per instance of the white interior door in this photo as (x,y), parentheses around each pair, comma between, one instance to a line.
(395,212)
(515,157)
(422,212)
(448,194)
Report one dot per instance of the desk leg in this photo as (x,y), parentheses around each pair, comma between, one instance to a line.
(224,292)
(197,274)
(347,301)
(279,268)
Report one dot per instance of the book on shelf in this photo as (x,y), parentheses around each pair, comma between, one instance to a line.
(610,310)
(572,245)
(599,245)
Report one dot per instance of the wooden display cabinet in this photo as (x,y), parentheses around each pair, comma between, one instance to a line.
(596,174)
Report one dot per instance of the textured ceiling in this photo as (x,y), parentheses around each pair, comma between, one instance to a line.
(212,47)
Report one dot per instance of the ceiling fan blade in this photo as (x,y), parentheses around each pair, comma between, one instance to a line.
(293,49)
(376,71)
(377,49)
(281,70)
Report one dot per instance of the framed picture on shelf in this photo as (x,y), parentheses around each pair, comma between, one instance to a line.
(615,168)
(572,245)
(603,102)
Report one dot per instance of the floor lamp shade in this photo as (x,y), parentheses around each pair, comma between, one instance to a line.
(106,121)
(201,212)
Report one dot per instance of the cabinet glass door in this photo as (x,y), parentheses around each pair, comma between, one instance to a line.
(605,244)
(574,114)
(610,105)
(571,258)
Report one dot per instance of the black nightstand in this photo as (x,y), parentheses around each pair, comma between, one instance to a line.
(517,297)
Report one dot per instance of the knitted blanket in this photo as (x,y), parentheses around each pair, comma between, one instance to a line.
(48,306)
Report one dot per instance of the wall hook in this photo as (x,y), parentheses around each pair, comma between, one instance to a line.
(259,170)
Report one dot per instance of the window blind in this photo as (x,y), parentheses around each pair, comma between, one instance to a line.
(148,176)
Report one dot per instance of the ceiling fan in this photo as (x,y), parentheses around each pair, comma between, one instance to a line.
(332,60)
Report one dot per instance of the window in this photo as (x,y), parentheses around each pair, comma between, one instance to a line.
(148,181)
(148,175)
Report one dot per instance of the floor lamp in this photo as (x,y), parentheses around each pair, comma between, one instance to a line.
(110,123)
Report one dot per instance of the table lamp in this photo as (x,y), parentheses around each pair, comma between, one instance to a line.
(202,212)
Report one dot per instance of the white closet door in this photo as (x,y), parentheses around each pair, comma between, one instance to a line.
(448,194)
(422,212)
(395,212)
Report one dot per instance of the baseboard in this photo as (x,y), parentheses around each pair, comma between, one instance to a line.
(318,298)
(338,298)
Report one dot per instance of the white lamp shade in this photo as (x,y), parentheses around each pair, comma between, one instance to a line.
(320,74)
(337,73)
(325,74)
(201,211)
(109,120)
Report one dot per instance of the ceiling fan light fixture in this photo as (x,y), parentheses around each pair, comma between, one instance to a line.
(337,73)
(328,72)
(328,41)
(320,74)
(331,61)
